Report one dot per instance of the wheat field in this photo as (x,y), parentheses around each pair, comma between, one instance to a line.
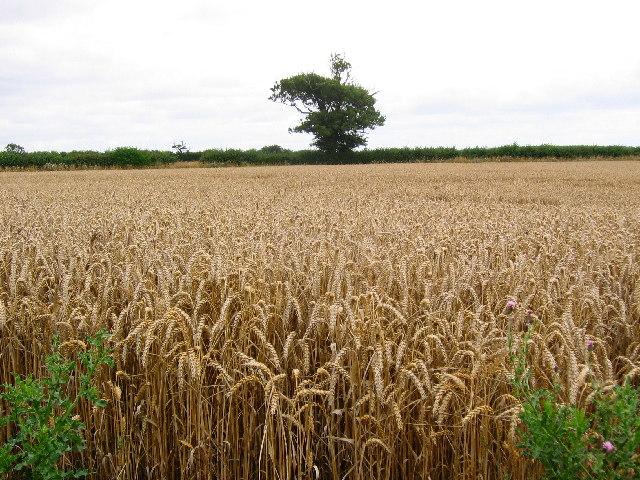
(321,322)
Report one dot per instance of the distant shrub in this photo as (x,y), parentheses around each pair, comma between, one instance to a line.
(189,157)
(87,158)
(274,149)
(213,155)
(11,159)
(277,155)
(129,156)
(230,156)
(39,159)
(163,157)
(549,151)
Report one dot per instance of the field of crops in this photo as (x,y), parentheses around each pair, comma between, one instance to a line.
(322,321)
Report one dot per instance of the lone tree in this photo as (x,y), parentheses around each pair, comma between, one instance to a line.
(336,111)
(14,148)
(180,148)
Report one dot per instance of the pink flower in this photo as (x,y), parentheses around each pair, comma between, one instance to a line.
(510,306)
(608,447)
(590,344)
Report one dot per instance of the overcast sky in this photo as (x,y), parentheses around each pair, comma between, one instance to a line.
(98,74)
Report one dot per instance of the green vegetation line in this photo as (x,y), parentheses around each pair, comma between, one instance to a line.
(13,157)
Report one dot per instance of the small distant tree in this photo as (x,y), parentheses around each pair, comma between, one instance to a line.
(180,148)
(337,112)
(14,148)
(274,149)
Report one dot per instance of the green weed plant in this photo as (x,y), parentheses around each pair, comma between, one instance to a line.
(598,441)
(42,415)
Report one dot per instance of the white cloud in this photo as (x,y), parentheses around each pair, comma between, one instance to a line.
(102,73)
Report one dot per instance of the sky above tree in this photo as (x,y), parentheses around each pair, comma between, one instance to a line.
(97,74)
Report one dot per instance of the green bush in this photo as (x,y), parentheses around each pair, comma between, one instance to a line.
(231,156)
(163,157)
(599,441)
(188,157)
(129,157)
(42,414)
(81,158)
(12,159)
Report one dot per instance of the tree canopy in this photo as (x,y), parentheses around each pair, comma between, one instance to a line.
(14,148)
(337,112)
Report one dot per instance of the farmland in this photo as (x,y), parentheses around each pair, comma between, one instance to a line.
(322,321)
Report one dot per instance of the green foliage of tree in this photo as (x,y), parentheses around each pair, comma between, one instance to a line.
(274,149)
(336,111)
(14,148)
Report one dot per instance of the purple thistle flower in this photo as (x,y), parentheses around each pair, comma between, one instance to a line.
(608,447)
(590,344)
(510,306)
